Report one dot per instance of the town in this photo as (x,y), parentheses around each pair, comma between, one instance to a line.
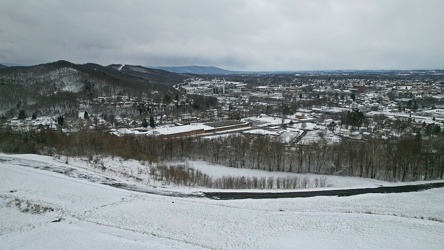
(301,108)
(221,124)
(348,123)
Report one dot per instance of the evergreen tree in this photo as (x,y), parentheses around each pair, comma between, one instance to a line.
(409,104)
(167,99)
(34,116)
(22,115)
(85,116)
(356,118)
(60,120)
(414,106)
(144,123)
(152,125)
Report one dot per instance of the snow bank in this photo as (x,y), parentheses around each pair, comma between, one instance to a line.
(101,217)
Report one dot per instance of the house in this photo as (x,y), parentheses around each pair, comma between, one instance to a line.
(181,131)
(299,116)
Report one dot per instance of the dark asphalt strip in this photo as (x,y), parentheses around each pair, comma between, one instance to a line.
(306,194)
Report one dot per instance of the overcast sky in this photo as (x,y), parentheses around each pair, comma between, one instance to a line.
(232,34)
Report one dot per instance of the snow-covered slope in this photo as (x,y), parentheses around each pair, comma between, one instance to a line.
(94,216)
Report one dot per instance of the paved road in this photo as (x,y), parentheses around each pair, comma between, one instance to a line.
(305,194)
(98,178)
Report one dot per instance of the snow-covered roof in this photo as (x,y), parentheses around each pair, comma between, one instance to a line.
(181,129)
(262,132)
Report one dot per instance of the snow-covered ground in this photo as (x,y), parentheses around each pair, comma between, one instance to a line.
(95,216)
(266,120)
(332,181)
(112,170)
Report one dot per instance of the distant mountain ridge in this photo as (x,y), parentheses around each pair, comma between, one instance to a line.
(199,70)
(212,70)
(3,66)
(11,64)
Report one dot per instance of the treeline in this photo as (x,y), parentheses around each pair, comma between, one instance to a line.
(406,158)
(184,175)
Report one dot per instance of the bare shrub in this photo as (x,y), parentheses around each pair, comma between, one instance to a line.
(323,181)
(436,219)
(179,175)
(295,182)
(255,182)
(263,183)
(270,182)
(184,175)
(316,182)
(30,207)
(248,183)
(207,181)
(305,182)
(289,182)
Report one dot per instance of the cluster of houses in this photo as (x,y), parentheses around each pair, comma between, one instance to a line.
(291,110)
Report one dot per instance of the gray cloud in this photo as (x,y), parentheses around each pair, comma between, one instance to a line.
(233,34)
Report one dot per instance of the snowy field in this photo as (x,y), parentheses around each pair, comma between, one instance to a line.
(113,170)
(40,209)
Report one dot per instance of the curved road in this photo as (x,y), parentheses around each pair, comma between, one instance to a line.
(339,192)
(99,178)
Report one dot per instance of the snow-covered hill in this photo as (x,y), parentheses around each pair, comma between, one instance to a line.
(40,209)
(62,80)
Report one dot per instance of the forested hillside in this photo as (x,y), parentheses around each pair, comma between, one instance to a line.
(55,88)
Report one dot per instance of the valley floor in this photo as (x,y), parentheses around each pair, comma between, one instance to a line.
(41,209)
